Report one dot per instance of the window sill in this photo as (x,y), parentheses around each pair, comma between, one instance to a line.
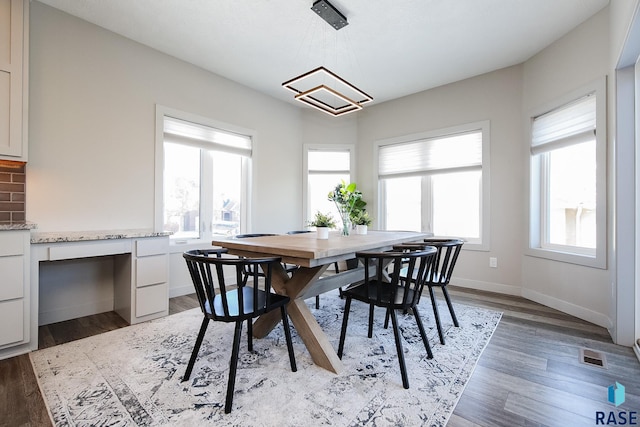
(569,258)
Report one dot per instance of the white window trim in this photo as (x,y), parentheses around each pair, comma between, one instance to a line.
(485,208)
(599,260)
(205,239)
(305,169)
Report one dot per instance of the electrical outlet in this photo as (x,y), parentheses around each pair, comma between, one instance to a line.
(493,262)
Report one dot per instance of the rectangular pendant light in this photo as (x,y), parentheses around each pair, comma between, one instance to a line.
(327,92)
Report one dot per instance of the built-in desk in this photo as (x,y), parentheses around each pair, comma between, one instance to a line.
(140,269)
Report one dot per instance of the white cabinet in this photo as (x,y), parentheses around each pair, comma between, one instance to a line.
(14,289)
(14,18)
(142,283)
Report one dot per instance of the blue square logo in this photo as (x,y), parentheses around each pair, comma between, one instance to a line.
(616,394)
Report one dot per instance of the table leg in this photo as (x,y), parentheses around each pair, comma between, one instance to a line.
(314,338)
(265,323)
(283,285)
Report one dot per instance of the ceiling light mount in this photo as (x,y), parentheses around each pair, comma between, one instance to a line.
(329,13)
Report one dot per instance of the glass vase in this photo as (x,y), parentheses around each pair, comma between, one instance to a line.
(346,222)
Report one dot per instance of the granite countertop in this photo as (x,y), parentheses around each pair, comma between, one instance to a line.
(17,225)
(79,236)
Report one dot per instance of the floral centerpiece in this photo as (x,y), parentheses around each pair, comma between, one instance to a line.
(348,200)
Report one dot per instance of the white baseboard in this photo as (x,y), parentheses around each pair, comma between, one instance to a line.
(561,305)
(636,349)
(178,291)
(487,286)
(68,313)
(569,308)
(9,352)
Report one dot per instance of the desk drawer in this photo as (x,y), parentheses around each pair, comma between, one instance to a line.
(11,285)
(151,270)
(11,322)
(88,249)
(151,299)
(11,243)
(151,246)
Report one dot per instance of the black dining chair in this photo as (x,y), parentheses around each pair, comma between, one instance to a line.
(385,287)
(443,265)
(227,302)
(440,275)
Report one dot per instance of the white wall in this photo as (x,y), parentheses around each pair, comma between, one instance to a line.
(320,128)
(75,288)
(578,58)
(495,97)
(92,120)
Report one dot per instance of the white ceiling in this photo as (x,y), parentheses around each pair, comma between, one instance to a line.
(391,48)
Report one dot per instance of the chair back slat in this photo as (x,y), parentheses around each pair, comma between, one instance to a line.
(255,289)
(268,272)
(366,275)
(411,267)
(445,260)
(197,282)
(246,298)
(210,284)
(379,275)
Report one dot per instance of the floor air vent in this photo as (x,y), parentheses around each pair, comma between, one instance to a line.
(593,358)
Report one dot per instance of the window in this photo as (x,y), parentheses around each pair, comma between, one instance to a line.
(568,181)
(325,167)
(181,191)
(437,182)
(204,171)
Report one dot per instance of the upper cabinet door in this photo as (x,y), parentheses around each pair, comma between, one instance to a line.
(13,70)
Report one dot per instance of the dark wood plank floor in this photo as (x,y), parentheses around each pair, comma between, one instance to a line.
(529,374)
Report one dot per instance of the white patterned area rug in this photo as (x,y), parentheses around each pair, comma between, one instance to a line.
(132,376)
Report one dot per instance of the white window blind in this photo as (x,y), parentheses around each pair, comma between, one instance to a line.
(323,161)
(187,133)
(572,124)
(451,152)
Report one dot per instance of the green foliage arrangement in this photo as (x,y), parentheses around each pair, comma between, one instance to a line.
(361,218)
(348,199)
(323,220)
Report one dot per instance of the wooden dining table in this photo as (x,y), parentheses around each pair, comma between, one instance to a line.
(313,256)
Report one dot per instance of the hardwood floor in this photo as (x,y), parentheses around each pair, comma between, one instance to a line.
(529,374)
